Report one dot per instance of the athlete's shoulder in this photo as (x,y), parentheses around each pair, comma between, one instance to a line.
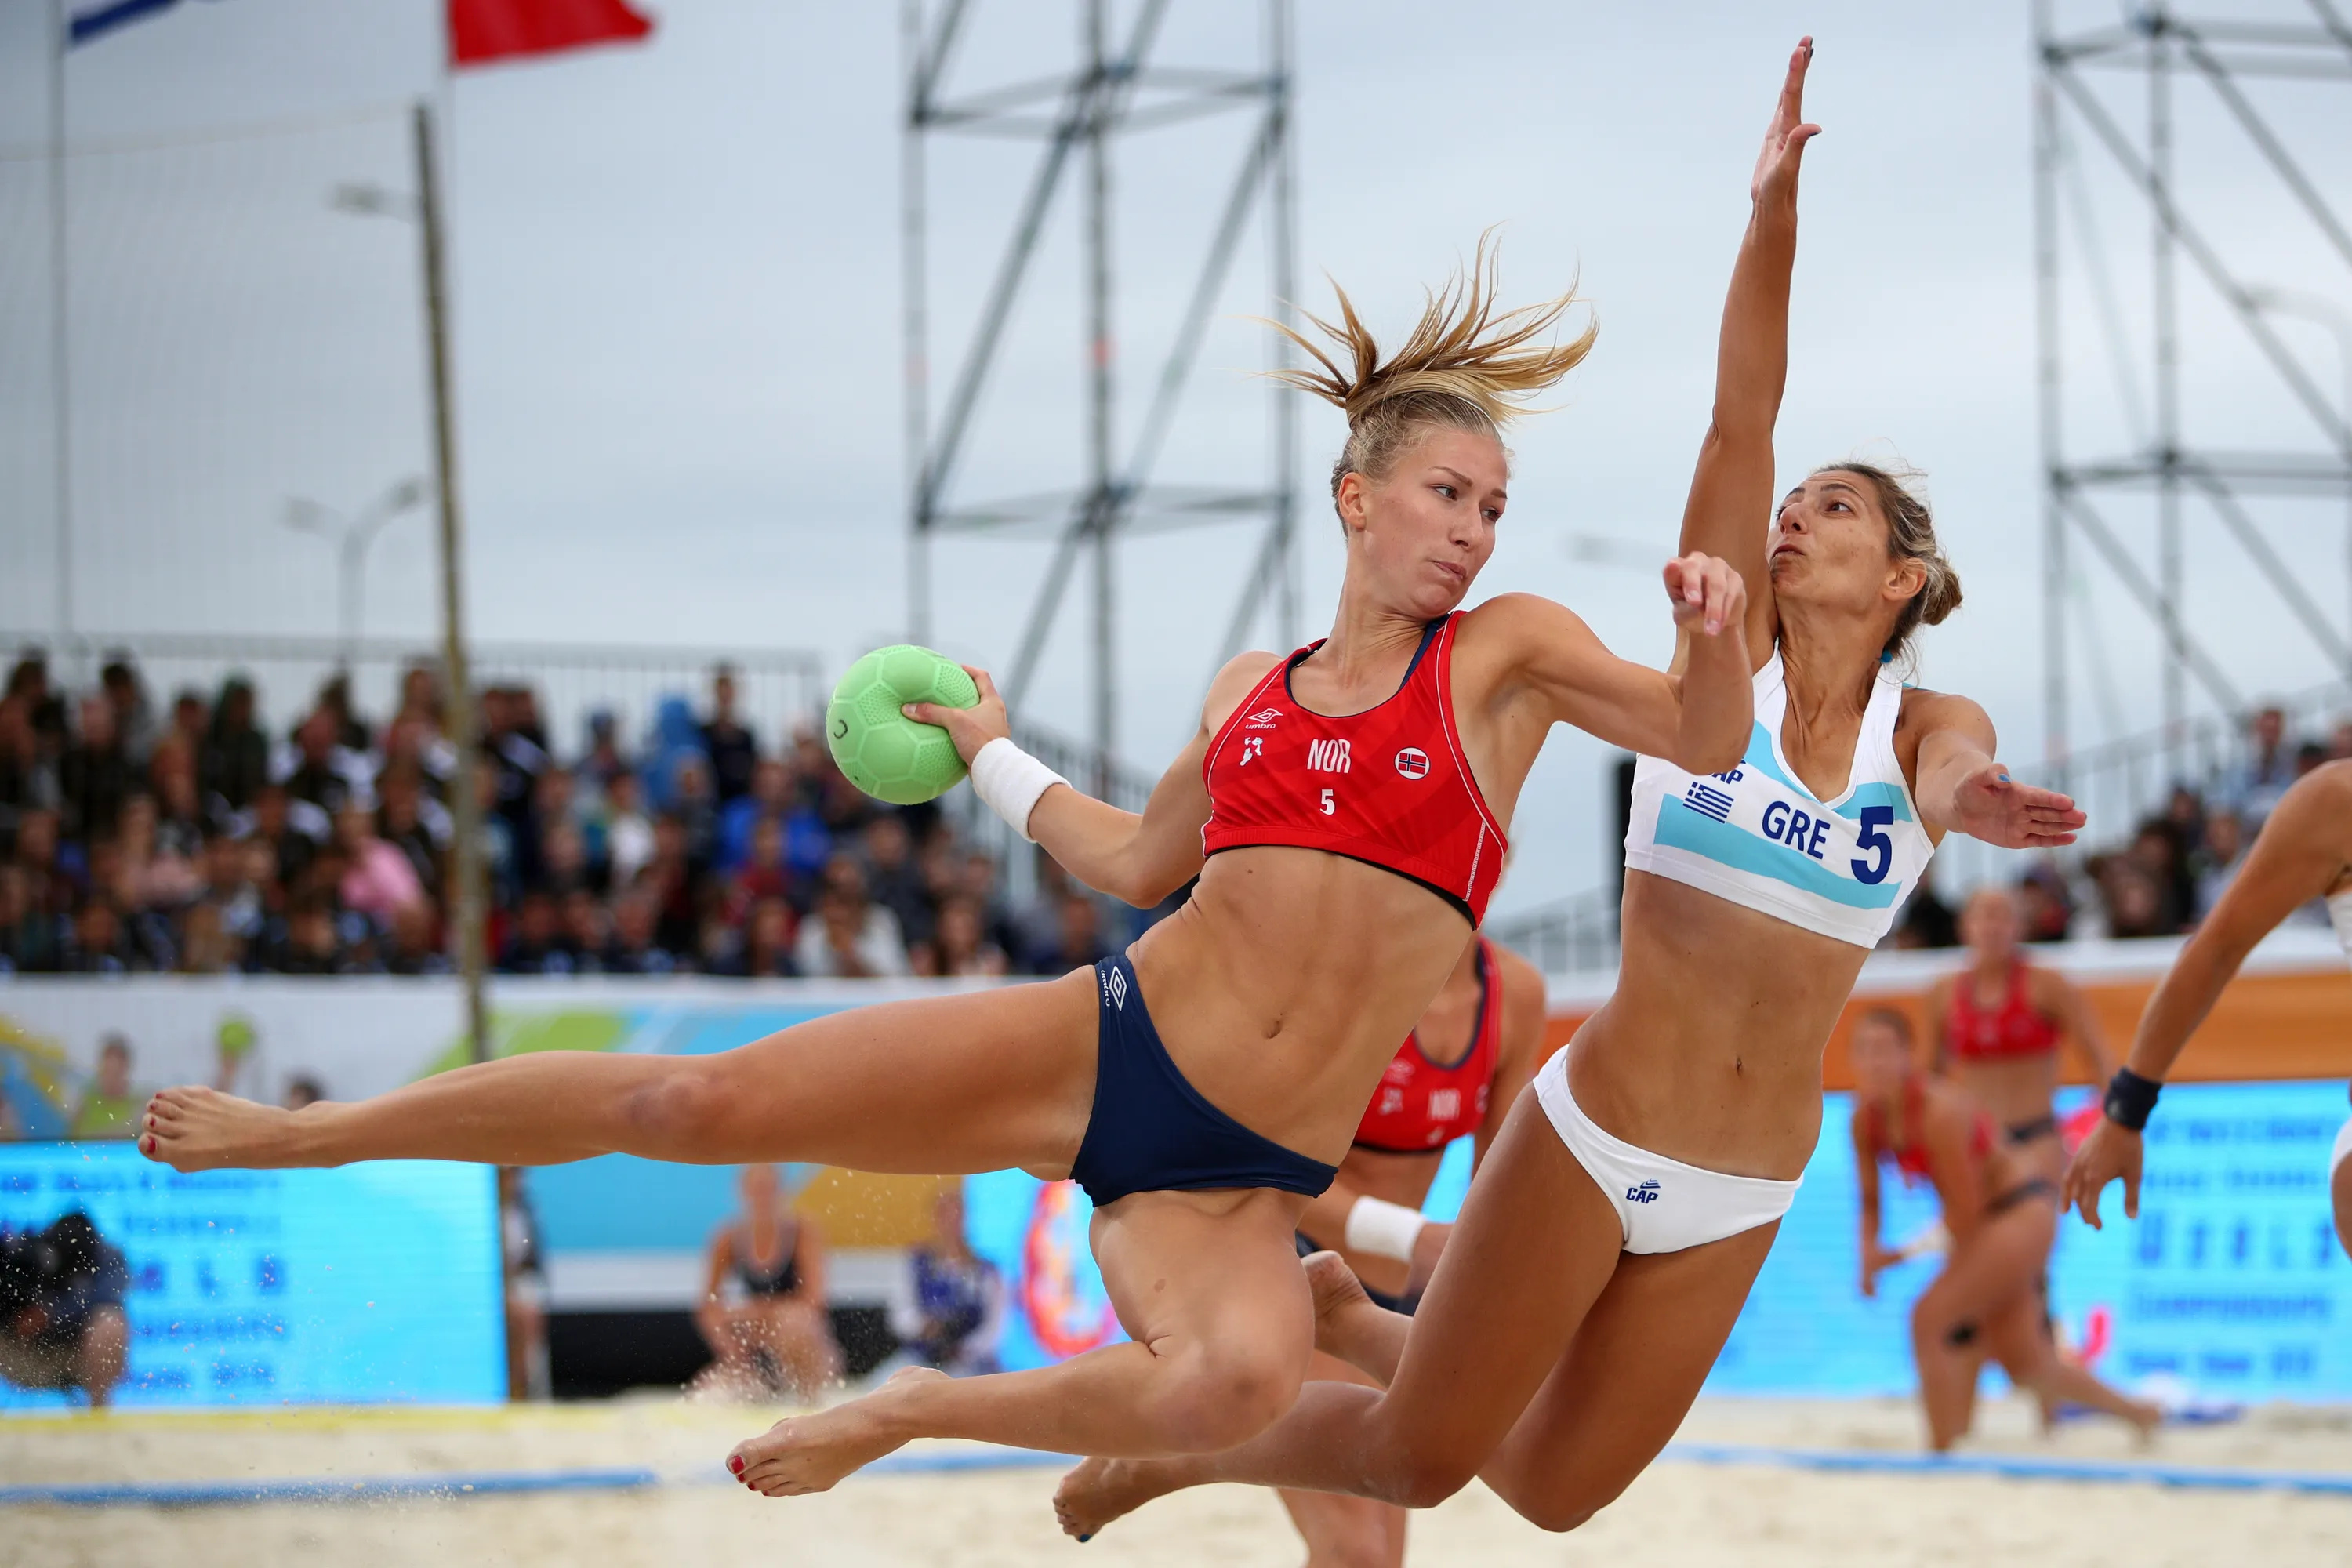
(1518,615)
(1925,710)
(1235,681)
(1524,1002)
(2317,808)
(1522,981)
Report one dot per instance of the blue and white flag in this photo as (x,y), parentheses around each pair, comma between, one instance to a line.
(92,19)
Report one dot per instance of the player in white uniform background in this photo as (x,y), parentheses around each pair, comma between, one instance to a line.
(2304,852)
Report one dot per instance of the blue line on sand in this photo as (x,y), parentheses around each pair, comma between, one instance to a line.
(484,1483)
(315,1490)
(2015,1467)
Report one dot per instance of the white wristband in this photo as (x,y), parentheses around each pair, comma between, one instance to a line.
(1384,1229)
(1009,780)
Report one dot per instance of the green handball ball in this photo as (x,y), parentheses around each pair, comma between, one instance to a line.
(884,753)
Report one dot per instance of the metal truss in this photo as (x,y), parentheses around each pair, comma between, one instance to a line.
(1075,119)
(2222,57)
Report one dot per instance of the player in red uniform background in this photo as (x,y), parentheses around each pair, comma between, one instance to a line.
(1997,1024)
(1456,1075)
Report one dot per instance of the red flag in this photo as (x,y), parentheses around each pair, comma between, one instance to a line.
(481,31)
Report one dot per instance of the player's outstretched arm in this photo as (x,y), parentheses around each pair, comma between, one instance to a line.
(2302,852)
(1961,789)
(1730,511)
(1699,719)
(1138,857)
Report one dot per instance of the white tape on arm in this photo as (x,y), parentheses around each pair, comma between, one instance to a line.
(1010,781)
(1384,1229)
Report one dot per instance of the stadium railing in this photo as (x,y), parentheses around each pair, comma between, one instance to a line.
(774,686)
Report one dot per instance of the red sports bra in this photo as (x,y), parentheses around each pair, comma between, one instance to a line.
(1387,787)
(2015,1029)
(1421,1106)
(1911,1157)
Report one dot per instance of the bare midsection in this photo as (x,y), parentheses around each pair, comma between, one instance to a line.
(2013,1089)
(1286,984)
(1710,1050)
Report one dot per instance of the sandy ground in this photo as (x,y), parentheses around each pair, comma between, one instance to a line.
(1680,1512)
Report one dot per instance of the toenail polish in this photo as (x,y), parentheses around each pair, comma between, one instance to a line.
(735,1463)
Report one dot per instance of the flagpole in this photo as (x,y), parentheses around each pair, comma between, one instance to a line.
(61,372)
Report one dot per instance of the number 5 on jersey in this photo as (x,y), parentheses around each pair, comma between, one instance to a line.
(1329,805)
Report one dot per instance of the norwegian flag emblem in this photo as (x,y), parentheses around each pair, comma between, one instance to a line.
(1413,762)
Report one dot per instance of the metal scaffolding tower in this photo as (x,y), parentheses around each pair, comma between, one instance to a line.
(1078,116)
(2163,463)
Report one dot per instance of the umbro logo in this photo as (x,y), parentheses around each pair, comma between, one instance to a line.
(1116,989)
(1413,762)
(1647,1192)
(1263,718)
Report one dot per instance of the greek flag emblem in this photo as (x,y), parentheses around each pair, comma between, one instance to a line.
(1708,801)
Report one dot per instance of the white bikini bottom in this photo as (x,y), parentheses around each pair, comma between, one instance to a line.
(1662,1204)
(2343,1150)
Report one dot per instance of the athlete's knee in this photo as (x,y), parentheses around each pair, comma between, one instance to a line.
(1219,1395)
(1557,1502)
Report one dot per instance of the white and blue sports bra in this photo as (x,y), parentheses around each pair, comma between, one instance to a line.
(1759,838)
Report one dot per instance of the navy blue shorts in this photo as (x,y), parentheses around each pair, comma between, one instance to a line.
(1151,1131)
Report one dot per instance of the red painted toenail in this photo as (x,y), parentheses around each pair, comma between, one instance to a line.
(735,1464)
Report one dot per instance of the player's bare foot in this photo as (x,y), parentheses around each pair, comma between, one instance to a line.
(1100,1490)
(2145,1419)
(199,1129)
(1338,1300)
(803,1454)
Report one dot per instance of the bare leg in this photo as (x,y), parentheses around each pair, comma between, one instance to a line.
(940,1086)
(1208,1285)
(1536,1244)
(1349,1326)
(2340,1191)
(798,1334)
(1346,1531)
(2033,1363)
(1994,1270)
(98,1359)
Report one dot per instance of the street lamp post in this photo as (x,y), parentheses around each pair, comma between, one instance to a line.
(2326,313)
(352,536)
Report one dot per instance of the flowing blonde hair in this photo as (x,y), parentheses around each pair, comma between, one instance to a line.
(1467,364)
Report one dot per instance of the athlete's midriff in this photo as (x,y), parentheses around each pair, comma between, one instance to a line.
(1710,1051)
(1283,985)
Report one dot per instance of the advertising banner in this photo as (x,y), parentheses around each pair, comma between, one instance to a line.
(375,1283)
(2230,1280)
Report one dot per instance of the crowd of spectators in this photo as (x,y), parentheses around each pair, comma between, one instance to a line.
(135,836)
(2164,879)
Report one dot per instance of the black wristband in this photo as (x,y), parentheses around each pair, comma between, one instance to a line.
(2130,1097)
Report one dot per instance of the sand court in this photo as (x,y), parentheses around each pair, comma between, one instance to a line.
(1742,1485)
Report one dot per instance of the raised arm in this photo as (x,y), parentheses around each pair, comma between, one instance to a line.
(1559,673)
(1961,789)
(1140,858)
(2302,852)
(1729,512)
